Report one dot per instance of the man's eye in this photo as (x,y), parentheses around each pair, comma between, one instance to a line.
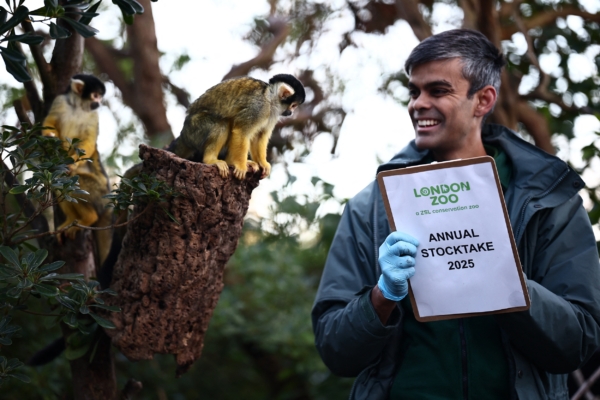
(413,93)
(439,92)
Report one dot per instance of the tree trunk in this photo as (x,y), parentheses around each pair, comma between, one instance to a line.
(95,380)
(169,274)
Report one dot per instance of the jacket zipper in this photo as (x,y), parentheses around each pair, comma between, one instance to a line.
(463,356)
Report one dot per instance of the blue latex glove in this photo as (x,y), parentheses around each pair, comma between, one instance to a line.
(397,260)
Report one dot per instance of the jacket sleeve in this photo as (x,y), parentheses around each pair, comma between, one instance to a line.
(561,330)
(348,333)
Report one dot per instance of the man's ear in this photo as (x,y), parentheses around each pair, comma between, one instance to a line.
(486,98)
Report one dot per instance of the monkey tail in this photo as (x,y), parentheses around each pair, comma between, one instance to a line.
(103,237)
(48,353)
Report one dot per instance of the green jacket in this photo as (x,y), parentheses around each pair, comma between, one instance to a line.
(558,252)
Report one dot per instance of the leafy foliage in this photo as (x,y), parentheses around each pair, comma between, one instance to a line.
(26,281)
(44,158)
(76,14)
(142,189)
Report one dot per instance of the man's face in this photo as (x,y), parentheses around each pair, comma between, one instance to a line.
(442,115)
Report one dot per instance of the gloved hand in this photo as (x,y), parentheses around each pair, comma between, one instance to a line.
(397,260)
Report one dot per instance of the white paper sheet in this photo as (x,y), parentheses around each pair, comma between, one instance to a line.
(465,262)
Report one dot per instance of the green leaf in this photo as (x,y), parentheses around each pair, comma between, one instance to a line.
(41,12)
(84,309)
(67,302)
(11,256)
(19,376)
(31,39)
(3,15)
(26,38)
(19,16)
(58,32)
(18,189)
(65,276)
(73,353)
(84,30)
(51,3)
(46,290)
(52,266)
(86,20)
(128,19)
(139,9)
(16,69)
(103,322)
(126,8)
(13,54)
(14,292)
(39,257)
(109,308)
(71,320)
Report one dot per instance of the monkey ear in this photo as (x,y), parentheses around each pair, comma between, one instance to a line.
(285,91)
(77,86)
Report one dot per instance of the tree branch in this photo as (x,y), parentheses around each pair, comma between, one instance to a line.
(21,112)
(182,96)
(264,59)
(38,56)
(546,18)
(409,11)
(106,63)
(587,385)
(67,58)
(536,125)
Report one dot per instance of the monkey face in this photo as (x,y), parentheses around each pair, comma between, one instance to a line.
(96,99)
(290,109)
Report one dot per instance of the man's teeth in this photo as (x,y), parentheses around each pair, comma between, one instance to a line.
(427,122)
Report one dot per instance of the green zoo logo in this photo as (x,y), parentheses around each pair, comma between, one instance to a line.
(442,194)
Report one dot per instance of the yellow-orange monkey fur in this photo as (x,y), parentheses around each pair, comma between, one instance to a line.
(237,115)
(73,115)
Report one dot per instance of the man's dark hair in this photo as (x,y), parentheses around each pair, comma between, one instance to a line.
(482,61)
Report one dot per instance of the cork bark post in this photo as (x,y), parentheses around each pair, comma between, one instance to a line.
(169,275)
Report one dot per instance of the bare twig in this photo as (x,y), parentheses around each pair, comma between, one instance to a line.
(586,385)
(264,59)
(21,112)
(74,223)
(40,314)
(38,56)
(182,96)
(578,376)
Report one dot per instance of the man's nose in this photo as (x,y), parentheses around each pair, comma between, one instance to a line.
(421,102)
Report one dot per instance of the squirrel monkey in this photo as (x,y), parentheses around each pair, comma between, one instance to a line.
(73,115)
(237,115)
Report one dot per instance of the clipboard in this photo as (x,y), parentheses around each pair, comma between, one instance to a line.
(467,262)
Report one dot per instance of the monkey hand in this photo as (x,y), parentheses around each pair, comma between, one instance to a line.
(253,166)
(396,260)
(239,173)
(70,233)
(266,167)
(223,168)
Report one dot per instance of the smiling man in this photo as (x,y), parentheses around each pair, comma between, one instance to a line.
(363,322)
